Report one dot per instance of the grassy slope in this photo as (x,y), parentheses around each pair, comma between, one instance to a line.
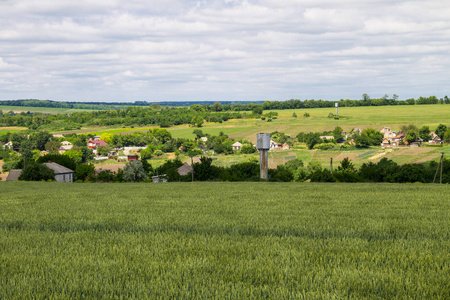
(212,240)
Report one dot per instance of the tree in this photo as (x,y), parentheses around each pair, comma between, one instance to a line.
(198,133)
(424,133)
(146,153)
(34,171)
(134,172)
(106,137)
(53,146)
(411,136)
(365,97)
(257,110)
(39,139)
(338,137)
(248,148)
(440,131)
(103,150)
(84,172)
(63,160)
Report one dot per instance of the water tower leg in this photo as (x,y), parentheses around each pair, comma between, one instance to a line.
(264,164)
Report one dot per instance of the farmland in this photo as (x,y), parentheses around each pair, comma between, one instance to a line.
(213,240)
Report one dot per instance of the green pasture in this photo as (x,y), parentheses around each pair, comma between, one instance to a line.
(224,240)
(45,110)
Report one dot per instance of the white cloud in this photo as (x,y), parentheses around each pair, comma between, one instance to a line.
(222,49)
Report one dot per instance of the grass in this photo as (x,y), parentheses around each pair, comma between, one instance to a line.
(223,240)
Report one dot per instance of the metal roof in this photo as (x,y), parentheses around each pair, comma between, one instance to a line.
(57,168)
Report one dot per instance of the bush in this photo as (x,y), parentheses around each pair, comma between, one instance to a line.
(34,171)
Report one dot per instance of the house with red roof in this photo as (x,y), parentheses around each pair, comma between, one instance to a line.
(93,144)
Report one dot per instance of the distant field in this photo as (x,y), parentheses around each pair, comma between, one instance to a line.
(224,240)
(47,110)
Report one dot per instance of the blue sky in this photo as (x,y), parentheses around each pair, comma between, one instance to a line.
(115,50)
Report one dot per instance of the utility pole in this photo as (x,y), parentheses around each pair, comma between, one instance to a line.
(440,164)
(331,165)
(336,104)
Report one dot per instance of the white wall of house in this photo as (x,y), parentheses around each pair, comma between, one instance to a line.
(67,177)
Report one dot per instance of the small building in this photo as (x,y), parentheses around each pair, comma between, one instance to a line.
(65,146)
(101,158)
(415,144)
(286,146)
(388,133)
(204,139)
(327,137)
(357,131)
(274,145)
(385,143)
(14,175)
(122,158)
(185,169)
(132,157)
(62,174)
(237,146)
(436,140)
(8,145)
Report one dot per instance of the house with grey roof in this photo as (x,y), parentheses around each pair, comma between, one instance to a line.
(62,174)
(14,175)
(185,169)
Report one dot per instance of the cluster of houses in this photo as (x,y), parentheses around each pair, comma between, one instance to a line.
(393,140)
(273,146)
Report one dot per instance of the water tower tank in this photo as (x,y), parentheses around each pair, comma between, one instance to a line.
(263,141)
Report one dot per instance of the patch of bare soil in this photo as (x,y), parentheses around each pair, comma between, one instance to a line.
(3,176)
(428,158)
(111,167)
(350,155)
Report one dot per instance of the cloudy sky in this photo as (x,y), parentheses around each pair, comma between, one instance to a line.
(128,50)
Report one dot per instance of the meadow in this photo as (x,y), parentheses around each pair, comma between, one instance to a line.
(224,240)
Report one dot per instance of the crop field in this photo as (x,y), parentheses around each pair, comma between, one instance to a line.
(224,240)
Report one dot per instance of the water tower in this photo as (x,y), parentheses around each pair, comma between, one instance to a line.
(263,145)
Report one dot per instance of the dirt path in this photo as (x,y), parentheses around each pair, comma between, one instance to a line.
(3,176)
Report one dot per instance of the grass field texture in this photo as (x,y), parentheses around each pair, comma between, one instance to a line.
(223,240)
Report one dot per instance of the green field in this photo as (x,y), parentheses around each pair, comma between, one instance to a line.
(223,241)
(46,110)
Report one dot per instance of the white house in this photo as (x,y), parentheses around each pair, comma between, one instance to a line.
(62,174)
(236,146)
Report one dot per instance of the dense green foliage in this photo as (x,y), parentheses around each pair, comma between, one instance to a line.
(223,240)
(143,113)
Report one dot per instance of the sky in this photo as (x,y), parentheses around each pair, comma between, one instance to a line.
(218,50)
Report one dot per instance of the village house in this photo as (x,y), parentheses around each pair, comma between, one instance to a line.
(286,146)
(14,175)
(94,144)
(65,146)
(62,174)
(274,145)
(327,137)
(388,133)
(204,139)
(185,169)
(236,146)
(436,140)
(386,143)
(397,139)
(8,145)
